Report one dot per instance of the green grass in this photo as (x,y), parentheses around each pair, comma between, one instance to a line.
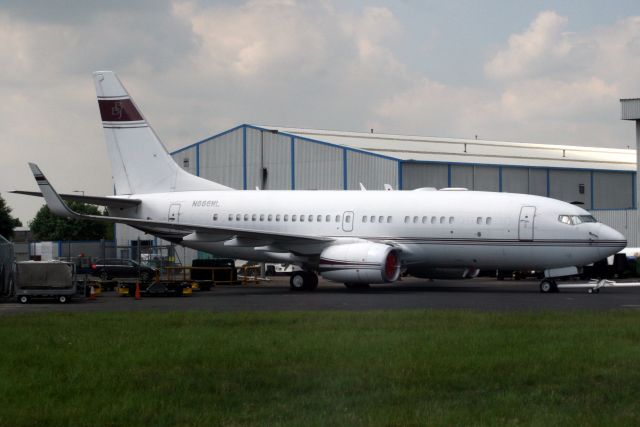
(320,368)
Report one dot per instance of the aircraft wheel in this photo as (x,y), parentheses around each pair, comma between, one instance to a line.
(548,286)
(63,299)
(303,281)
(24,299)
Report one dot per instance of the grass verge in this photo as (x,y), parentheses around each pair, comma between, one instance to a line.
(320,368)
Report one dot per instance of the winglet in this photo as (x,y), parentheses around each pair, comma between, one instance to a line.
(53,200)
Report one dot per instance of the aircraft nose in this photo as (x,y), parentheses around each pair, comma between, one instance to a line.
(612,240)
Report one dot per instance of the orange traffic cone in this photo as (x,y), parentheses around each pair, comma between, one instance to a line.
(138,290)
(92,293)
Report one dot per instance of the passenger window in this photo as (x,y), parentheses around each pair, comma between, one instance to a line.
(328,218)
(450,220)
(238,217)
(406,219)
(215,217)
(488,221)
(347,219)
(294,218)
(337,218)
(415,219)
(230,217)
(253,217)
(389,219)
(424,219)
(261,217)
(301,218)
(433,220)
(310,218)
(479,220)
(380,219)
(364,219)
(442,220)
(373,218)
(319,218)
(270,217)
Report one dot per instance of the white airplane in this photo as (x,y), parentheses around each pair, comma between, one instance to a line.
(354,237)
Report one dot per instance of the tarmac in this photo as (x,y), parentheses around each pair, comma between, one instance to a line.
(274,295)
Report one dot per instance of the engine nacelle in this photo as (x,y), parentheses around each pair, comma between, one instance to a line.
(360,263)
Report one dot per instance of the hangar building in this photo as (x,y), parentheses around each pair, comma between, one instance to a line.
(602,180)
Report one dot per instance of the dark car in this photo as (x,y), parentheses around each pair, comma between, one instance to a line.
(112,268)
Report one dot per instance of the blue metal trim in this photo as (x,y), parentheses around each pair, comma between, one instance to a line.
(244,157)
(633,188)
(448,174)
(591,185)
(548,182)
(60,248)
(515,166)
(500,179)
(293,163)
(400,180)
(345,185)
(198,160)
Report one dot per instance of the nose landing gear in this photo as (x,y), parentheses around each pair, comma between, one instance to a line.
(548,286)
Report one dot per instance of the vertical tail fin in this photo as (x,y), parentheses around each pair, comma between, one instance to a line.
(139,161)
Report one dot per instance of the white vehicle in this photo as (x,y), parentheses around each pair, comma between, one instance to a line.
(353,237)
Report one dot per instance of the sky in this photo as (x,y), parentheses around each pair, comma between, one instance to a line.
(524,71)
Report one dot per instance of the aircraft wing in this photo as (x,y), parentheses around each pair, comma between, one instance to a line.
(235,236)
(115,202)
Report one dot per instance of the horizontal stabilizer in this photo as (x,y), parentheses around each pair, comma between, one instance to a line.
(113,202)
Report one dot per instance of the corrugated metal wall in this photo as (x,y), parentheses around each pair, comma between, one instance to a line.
(318,166)
(221,159)
(625,221)
(612,190)
(373,172)
(271,151)
(515,180)
(630,109)
(418,175)
(462,176)
(565,185)
(186,159)
(486,178)
(538,181)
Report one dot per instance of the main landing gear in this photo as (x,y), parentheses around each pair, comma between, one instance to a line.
(303,281)
(548,285)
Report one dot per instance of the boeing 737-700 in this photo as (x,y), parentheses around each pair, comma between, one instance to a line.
(353,237)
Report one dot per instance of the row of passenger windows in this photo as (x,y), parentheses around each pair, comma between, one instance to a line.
(282,217)
(328,218)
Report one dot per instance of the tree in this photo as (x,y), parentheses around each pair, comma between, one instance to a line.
(47,226)
(7,222)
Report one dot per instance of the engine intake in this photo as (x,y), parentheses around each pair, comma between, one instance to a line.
(360,263)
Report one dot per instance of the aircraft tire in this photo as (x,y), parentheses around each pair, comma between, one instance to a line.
(548,286)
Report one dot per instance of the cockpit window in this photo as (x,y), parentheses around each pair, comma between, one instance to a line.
(575,219)
(565,219)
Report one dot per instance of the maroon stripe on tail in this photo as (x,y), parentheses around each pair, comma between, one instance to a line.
(118,110)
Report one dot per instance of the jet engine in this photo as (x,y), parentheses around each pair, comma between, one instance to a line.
(360,263)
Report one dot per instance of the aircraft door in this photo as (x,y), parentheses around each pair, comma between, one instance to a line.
(174,212)
(525,225)
(347,221)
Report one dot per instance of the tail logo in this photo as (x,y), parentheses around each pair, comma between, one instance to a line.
(116,110)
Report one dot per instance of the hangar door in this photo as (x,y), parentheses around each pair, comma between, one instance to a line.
(525,225)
